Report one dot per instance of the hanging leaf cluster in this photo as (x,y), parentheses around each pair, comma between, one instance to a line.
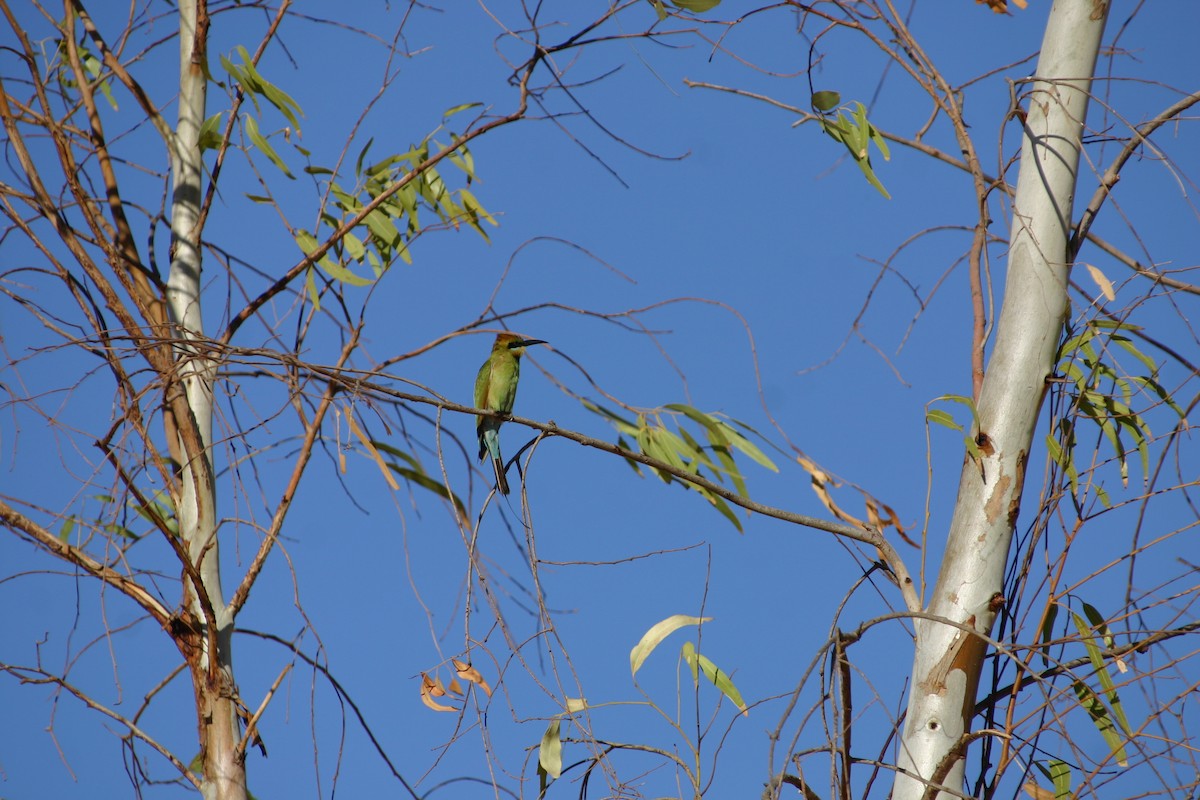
(1099,391)
(651,435)
(850,127)
(399,187)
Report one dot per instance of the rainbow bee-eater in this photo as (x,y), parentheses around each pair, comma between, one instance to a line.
(495,390)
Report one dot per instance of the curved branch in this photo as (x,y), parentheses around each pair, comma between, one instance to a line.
(22,525)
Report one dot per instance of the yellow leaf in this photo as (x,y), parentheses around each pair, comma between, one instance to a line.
(357,431)
(1106,287)
(1037,792)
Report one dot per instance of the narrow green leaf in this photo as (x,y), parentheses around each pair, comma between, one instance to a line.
(1125,343)
(624,445)
(881,143)
(723,682)
(472,205)
(64,533)
(1112,324)
(435,486)
(382,228)
(862,132)
(345,200)
(1098,709)
(696,6)
(680,455)
(253,80)
(310,286)
(1048,631)
(696,450)
(354,246)
(1103,722)
(688,653)
(450,112)
(943,418)
(695,415)
(1096,620)
(748,448)
(654,636)
(1055,450)
(308,243)
(263,146)
(1060,775)
(726,458)
(721,506)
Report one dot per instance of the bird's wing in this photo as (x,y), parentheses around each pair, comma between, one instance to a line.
(483,382)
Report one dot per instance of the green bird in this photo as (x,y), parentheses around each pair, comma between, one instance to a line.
(495,390)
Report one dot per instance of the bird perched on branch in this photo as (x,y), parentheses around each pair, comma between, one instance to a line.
(495,390)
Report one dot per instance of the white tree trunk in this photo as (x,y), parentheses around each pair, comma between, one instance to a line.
(947,661)
(211,662)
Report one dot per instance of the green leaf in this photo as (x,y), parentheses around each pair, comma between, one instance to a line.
(64,533)
(748,448)
(718,677)
(696,6)
(472,205)
(418,476)
(726,458)
(1127,344)
(720,505)
(942,418)
(550,750)
(1060,776)
(310,285)
(688,652)
(1097,709)
(1096,620)
(624,445)
(723,682)
(263,146)
(382,228)
(209,137)
(450,112)
(254,82)
(354,246)
(826,101)
(1048,631)
(308,243)
(622,424)
(653,637)
(696,451)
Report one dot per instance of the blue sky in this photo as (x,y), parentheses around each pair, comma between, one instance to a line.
(749,211)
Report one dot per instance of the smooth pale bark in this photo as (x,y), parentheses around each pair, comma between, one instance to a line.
(947,659)
(212,672)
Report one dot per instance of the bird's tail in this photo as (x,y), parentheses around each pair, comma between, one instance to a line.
(501,481)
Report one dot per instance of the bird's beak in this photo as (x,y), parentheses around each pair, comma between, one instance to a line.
(527,342)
